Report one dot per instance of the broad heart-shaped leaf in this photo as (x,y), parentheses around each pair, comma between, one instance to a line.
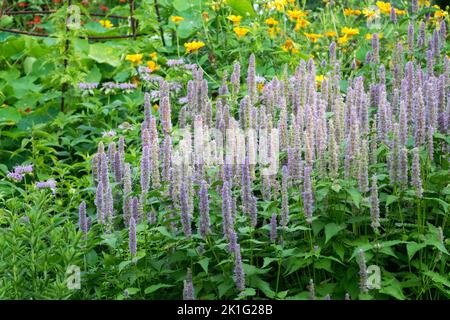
(24,85)
(156,287)
(183,5)
(104,53)
(242,7)
(9,115)
(413,247)
(331,230)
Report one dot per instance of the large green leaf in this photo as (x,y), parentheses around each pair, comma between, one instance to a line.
(104,53)
(9,115)
(242,7)
(331,230)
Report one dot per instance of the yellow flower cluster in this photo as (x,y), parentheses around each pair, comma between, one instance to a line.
(296,14)
(385,7)
(330,34)
(347,34)
(240,31)
(277,4)
(106,23)
(134,58)
(193,46)
(313,36)
(289,45)
(350,12)
(369,13)
(152,65)
(271,22)
(235,19)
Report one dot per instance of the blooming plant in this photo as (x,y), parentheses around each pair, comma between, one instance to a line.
(273,151)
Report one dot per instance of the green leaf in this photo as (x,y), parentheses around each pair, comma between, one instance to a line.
(204,263)
(9,115)
(249,292)
(331,230)
(250,270)
(28,64)
(104,53)
(164,232)
(356,196)
(413,247)
(264,287)
(124,264)
(156,287)
(390,199)
(132,291)
(268,261)
(242,7)
(181,5)
(437,278)
(392,287)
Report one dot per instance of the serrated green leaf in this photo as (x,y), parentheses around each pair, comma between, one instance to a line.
(156,287)
(331,230)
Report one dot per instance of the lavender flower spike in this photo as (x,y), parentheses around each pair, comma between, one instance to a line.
(82,219)
(132,237)
(374,204)
(308,200)
(205,227)
(239,276)
(273,227)
(188,290)
(185,216)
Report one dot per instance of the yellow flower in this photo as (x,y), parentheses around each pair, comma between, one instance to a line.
(426,2)
(205,16)
(289,45)
(300,23)
(385,7)
(155,107)
(349,12)
(343,40)
(235,19)
(313,36)
(399,12)
(369,36)
(152,65)
(296,14)
(176,19)
(319,78)
(369,13)
(153,55)
(240,32)
(441,14)
(193,46)
(274,31)
(277,4)
(330,34)
(349,31)
(134,58)
(271,22)
(106,23)
(260,86)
